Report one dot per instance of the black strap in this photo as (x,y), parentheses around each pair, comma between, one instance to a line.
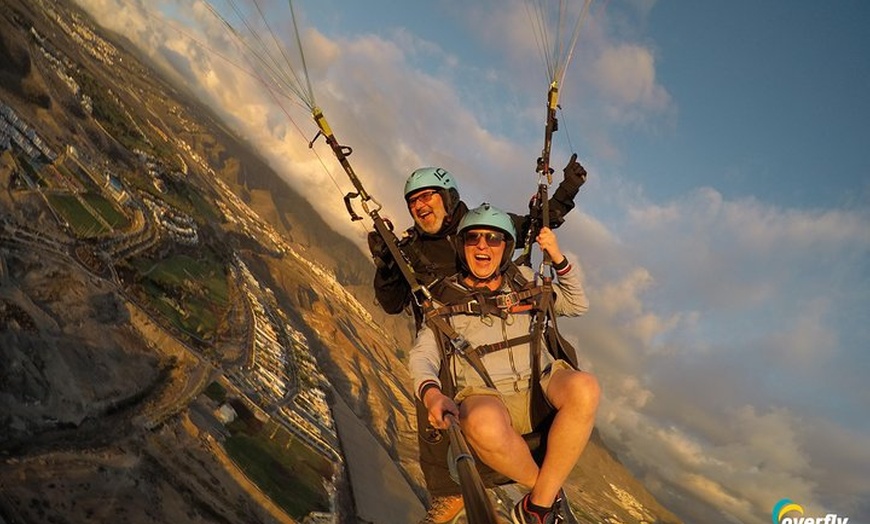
(539,407)
(486,349)
(499,305)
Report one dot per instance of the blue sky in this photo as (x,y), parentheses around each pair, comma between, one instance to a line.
(758,89)
(770,98)
(724,231)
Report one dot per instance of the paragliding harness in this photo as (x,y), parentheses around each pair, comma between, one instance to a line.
(429,271)
(521,297)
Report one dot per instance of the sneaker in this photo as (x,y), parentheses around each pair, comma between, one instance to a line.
(449,509)
(522,516)
(562,509)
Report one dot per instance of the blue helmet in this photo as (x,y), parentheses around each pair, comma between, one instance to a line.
(434,178)
(487,216)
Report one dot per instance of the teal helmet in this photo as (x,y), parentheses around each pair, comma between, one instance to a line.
(434,178)
(487,216)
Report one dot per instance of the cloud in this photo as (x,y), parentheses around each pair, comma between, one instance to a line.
(626,77)
(842,476)
(753,459)
(715,330)
(725,248)
(610,80)
(711,329)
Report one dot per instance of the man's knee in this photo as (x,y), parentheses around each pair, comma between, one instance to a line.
(485,420)
(575,388)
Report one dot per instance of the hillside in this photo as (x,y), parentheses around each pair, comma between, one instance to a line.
(146,253)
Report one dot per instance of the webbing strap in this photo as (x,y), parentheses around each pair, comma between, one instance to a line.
(486,349)
(461,347)
(500,305)
(538,403)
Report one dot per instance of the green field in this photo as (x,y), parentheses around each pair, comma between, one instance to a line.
(107,210)
(286,470)
(192,294)
(88,215)
(83,222)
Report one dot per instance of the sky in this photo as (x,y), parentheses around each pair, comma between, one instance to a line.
(723,232)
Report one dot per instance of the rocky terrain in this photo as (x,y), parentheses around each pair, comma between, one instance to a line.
(101,405)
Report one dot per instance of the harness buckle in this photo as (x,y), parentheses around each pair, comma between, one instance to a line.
(507,300)
(460,345)
(469,306)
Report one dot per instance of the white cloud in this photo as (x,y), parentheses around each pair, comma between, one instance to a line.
(754,460)
(626,76)
(809,343)
(621,297)
(842,475)
(735,292)
(724,250)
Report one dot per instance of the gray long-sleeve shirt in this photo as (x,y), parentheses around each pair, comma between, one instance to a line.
(510,368)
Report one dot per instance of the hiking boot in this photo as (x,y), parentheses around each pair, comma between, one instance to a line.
(520,515)
(449,509)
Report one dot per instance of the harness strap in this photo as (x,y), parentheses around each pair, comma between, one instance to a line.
(473,354)
(541,304)
(499,305)
(486,349)
(539,407)
(461,347)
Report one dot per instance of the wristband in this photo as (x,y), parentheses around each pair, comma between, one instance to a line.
(426,386)
(561,265)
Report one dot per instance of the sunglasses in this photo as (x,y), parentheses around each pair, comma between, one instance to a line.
(424,198)
(492,238)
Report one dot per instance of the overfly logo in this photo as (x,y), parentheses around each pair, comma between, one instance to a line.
(787,512)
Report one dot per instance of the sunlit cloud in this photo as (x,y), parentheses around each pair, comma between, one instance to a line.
(698,382)
(626,77)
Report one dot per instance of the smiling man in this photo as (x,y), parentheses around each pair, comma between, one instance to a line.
(484,250)
(427,208)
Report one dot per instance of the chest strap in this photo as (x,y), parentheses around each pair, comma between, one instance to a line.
(499,305)
(486,349)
